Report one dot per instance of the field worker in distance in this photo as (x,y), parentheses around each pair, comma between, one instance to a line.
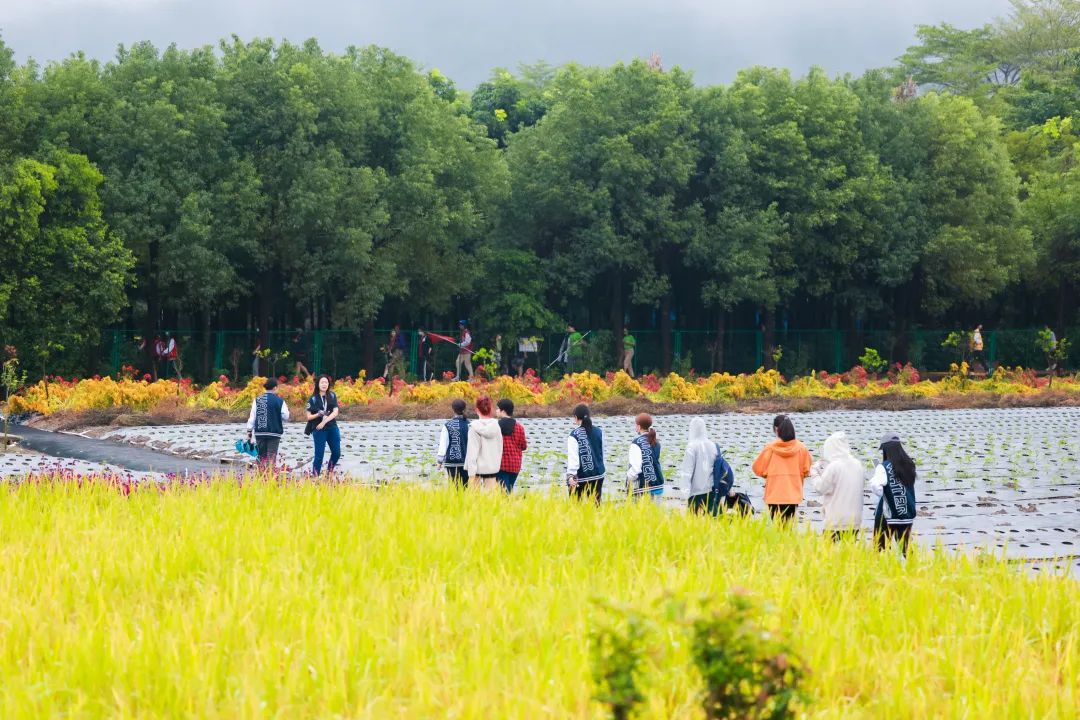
(707,474)
(894,481)
(585,469)
(839,477)
(629,346)
(322,410)
(465,350)
(453,444)
(484,455)
(784,463)
(514,444)
(644,476)
(269,413)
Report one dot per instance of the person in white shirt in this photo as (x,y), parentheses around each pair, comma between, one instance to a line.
(840,479)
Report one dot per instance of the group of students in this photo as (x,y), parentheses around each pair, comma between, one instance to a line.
(490,451)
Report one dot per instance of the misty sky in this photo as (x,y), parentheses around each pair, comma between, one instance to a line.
(466,39)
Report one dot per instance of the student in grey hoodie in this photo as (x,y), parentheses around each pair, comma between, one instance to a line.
(838,476)
(484,456)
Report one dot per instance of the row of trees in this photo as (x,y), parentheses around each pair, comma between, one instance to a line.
(272,186)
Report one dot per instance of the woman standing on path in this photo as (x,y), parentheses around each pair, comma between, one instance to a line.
(322,410)
(483,458)
(838,476)
(894,481)
(585,469)
(644,475)
(699,468)
(784,463)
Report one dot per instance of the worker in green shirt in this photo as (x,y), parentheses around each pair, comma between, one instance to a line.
(629,344)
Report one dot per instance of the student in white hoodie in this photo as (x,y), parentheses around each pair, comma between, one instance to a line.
(839,477)
(697,470)
(483,457)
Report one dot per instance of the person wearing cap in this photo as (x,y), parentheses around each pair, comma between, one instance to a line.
(839,478)
(465,349)
(894,482)
(784,463)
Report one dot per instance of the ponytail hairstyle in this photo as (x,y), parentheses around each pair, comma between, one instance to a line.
(581,412)
(786,429)
(483,405)
(777,420)
(644,421)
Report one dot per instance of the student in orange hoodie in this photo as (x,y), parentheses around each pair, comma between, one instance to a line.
(784,463)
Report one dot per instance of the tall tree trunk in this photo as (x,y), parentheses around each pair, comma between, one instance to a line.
(617,317)
(369,348)
(265,285)
(770,337)
(153,310)
(1062,304)
(665,318)
(718,348)
(206,345)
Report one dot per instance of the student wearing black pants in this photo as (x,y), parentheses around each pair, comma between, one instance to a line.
(585,469)
(454,445)
(894,482)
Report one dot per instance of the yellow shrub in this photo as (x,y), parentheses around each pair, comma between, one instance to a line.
(676,389)
(622,385)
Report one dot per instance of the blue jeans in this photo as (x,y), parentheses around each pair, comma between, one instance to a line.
(328,435)
(507,480)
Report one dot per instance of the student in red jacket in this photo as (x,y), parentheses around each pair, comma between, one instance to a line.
(514,444)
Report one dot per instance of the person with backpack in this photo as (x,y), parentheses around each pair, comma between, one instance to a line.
(784,464)
(708,475)
(484,456)
(839,477)
(644,476)
(585,469)
(322,412)
(894,481)
(266,422)
(453,444)
(513,447)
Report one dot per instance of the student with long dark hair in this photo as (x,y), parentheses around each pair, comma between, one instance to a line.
(585,469)
(644,476)
(894,481)
(784,463)
(322,409)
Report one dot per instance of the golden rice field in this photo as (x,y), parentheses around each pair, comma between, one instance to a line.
(307,601)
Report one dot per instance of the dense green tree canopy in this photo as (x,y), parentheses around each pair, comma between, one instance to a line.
(268,186)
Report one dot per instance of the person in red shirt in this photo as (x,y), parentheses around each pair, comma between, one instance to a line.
(514,445)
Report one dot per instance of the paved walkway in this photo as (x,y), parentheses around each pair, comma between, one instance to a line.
(76,447)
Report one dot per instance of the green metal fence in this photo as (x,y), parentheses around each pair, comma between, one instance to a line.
(342,352)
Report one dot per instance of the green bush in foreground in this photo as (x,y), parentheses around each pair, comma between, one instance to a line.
(314,601)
